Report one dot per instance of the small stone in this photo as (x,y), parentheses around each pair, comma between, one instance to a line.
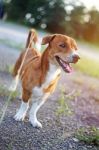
(75,140)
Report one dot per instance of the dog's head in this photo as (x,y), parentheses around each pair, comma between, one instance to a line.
(62,50)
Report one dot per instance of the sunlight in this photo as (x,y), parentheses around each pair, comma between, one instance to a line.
(91,3)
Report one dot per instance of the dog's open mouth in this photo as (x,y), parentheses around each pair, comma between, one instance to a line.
(65,66)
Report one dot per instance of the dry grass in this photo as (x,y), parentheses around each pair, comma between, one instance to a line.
(88,66)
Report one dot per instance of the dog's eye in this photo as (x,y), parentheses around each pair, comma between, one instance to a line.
(62,45)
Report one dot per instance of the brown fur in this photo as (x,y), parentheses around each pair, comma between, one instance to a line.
(36,65)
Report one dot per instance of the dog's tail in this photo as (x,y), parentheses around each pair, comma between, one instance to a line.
(32,38)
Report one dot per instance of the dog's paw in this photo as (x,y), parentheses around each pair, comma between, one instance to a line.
(36,124)
(19,116)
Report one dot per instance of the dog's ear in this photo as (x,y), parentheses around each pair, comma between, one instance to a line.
(48,39)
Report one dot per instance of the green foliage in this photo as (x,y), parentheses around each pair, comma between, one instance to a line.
(9,68)
(11,44)
(57,16)
(39,13)
(63,105)
(5,92)
(17,9)
(88,135)
(76,22)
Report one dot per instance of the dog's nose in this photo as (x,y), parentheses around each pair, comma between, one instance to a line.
(75,58)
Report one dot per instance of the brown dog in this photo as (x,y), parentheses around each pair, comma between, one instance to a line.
(40,72)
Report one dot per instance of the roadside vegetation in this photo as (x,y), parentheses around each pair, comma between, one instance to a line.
(64,100)
(88,66)
(11,44)
(4,91)
(88,135)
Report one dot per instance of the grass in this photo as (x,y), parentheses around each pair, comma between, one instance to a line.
(88,66)
(11,44)
(7,69)
(5,92)
(63,106)
(95,46)
(88,135)
(10,95)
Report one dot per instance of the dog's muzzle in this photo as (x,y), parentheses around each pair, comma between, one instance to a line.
(65,61)
(73,58)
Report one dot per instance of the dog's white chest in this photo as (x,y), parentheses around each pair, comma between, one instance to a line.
(51,75)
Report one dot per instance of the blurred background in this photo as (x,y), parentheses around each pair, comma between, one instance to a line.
(79,19)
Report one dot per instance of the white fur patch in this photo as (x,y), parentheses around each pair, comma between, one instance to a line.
(36,104)
(51,75)
(20,115)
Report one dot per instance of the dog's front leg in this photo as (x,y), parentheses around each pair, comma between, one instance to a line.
(36,104)
(21,113)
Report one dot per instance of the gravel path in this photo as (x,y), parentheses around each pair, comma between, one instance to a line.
(58,130)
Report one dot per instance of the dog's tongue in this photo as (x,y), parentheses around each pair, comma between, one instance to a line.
(67,68)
